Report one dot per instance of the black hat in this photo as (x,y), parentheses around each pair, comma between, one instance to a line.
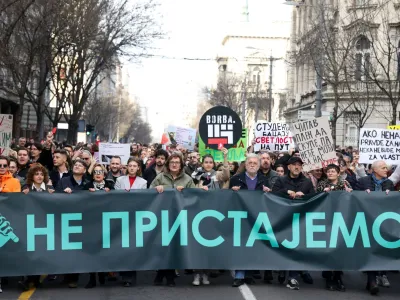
(294,159)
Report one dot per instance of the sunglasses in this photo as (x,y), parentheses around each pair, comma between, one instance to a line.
(3,166)
(98,172)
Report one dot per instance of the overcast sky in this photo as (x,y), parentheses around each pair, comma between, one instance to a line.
(170,88)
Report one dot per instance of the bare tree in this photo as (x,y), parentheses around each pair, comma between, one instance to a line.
(384,69)
(327,44)
(92,34)
(23,54)
(138,130)
(227,93)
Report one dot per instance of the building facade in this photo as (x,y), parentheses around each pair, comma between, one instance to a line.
(359,80)
(245,60)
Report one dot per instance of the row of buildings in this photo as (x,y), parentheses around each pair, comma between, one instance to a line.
(353,44)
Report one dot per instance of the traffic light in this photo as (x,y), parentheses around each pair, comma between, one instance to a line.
(89,129)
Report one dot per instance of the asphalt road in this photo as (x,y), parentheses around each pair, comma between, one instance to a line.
(220,288)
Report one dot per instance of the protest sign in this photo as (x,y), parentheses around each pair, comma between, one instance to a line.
(185,137)
(314,140)
(379,144)
(220,127)
(393,127)
(6,125)
(236,153)
(108,150)
(272,136)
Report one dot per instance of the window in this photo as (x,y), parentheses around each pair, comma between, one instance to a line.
(360,2)
(362,58)
(351,131)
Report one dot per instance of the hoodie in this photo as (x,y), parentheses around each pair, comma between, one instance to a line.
(9,184)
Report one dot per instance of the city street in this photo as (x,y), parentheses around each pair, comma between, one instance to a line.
(219,289)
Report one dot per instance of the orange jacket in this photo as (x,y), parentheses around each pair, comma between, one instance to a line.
(9,184)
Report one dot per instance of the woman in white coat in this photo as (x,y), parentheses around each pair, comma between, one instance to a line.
(132,181)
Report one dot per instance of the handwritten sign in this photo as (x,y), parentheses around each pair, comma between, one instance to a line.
(379,144)
(314,140)
(6,125)
(236,153)
(272,136)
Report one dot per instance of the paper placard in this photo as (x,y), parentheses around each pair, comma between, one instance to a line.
(272,136)
(314,140)
(108,150)
(185,137)
(379,144)
(6,124)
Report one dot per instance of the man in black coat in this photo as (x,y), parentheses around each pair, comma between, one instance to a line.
(377,182)
(70,184)
(156,168)
(295,185)
(265,169)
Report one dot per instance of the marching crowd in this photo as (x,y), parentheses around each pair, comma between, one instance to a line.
(52,167)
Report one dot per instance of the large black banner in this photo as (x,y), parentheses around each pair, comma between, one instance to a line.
(194,229)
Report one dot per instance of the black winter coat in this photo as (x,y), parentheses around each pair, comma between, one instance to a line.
(300,184)
(149,174)
(351,178)
(240,180)
(69,182)
(55,176)
(367,183)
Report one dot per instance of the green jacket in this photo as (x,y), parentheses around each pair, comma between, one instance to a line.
(165,179)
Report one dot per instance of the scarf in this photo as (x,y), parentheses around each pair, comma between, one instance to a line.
(378,183)
(98,186)
(206,177)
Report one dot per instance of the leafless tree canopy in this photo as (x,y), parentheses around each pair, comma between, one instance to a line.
(65,47)
(354,52)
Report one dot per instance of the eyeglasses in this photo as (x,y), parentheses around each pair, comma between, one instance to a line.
(3,166)
(174,162)
(98,172)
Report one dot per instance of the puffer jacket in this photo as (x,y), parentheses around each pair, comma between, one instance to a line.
(9,184)
(165,179)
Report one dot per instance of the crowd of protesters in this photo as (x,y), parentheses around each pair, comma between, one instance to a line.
(58,167)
